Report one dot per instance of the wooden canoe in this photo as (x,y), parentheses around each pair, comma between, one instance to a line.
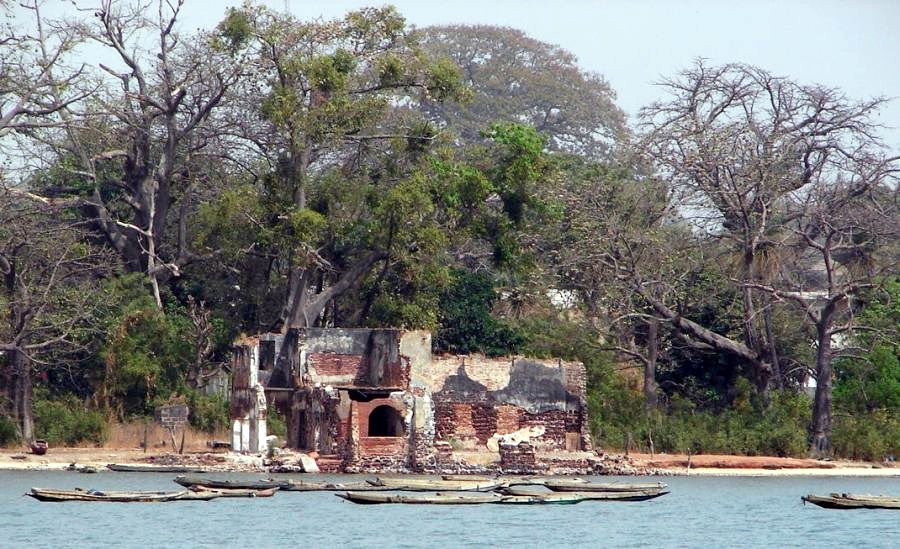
(539,498)
(639,495)
(369,498)
(50,494)
(577,485)
(235,492)
(531,480)
(227,484)
(853,501)
(435,485)
(123,468)
(468,478)
(325,486)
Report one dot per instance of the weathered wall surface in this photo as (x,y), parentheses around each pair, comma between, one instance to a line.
(320,421)
(352,357)
(476,399)
(331,381)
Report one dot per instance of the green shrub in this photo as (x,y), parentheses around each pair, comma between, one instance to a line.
(65,421)
(8,434)
(275,423)
(208,413)
(746,428)
(871,436)
(466,323)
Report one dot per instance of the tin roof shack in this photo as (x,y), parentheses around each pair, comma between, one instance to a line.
(376,399)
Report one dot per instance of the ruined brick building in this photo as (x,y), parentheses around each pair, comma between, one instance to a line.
(376,400)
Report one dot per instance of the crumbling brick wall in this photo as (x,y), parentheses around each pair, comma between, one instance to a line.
(503,396)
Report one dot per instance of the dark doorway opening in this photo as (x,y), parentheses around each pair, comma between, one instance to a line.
(385,421)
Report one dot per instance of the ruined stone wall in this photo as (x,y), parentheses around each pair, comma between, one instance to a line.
(415,352)
(320,421)
(352,357)
(476,399)
(330,381)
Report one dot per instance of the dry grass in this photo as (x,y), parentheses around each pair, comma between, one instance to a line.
(133,434)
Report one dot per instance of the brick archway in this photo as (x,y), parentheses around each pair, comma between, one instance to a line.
(385,421)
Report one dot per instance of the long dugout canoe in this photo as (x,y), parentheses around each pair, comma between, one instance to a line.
(370,498)
(853,501)
(291,485)
(137,468)
(436,485)
(577,485)
(54,495)
(227,484)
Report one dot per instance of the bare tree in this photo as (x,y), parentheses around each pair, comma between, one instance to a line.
(50,295)
(736,141)
(36,81)
(134,155)
(846,229)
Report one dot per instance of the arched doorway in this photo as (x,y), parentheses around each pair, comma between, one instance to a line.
(385,421)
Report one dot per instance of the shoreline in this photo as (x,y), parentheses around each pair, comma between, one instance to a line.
(58,459)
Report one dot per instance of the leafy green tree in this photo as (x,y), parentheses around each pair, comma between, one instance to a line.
(326,115)
(517,79)
(466,322)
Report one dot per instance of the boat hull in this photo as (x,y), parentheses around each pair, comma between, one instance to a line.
(374,498)
(123,468)
(586,486)
(853,501)
(58,496)
(227,484)
(429,485)
(583,496)
(312,486)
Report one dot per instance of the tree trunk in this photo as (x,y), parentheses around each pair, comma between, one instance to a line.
(821,418)
(650,386)
(22,396)
(774,361)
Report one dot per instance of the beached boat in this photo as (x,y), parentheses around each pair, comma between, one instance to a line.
(368,498)
(123,468)
(228,484)
(436,485)
(39,447)
(638,495)
(578,485)
(291,485)
(853,501)
(236,492)
(78,494)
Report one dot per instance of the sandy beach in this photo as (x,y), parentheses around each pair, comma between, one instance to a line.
(665,464)
(760,466)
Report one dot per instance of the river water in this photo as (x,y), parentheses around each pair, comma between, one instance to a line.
(699,512)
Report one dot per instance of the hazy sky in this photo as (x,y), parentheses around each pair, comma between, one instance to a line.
(852,44)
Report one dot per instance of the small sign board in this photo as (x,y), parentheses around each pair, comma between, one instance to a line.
(172,415)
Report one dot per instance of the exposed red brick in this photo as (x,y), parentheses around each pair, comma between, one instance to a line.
(333,365)
(509,418)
